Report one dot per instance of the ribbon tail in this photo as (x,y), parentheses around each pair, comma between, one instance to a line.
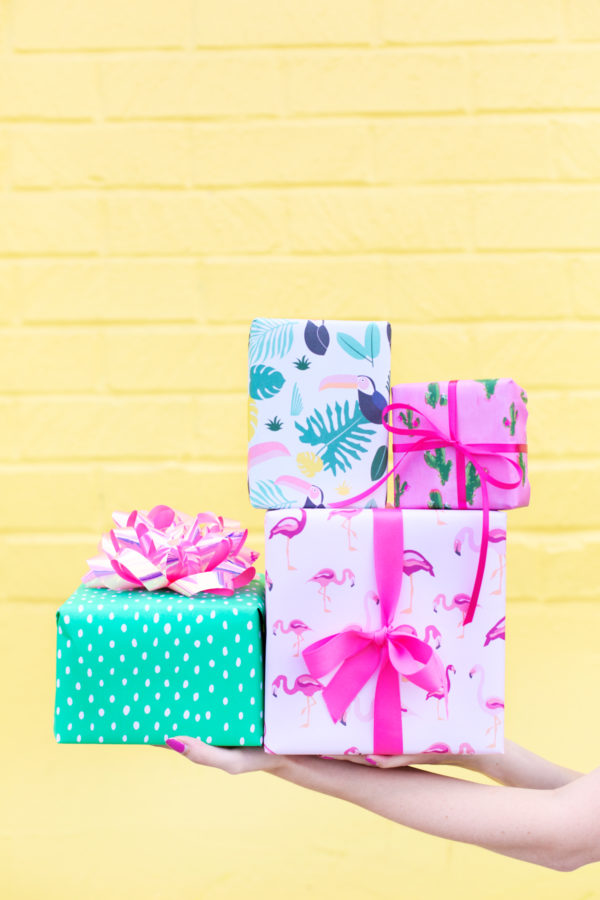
(387,718)
(349,680)
(483,549)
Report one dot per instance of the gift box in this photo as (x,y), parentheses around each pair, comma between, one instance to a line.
(138,667)
(316,394)
(367,650)
(453,441)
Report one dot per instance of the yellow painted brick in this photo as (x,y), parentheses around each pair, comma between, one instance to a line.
(42,498)
(283,22)
(9,303)
(464,149)
(437,21)
(368,219)
(583,20)
(47,360)
(176,359)
(541,218)
(167,87)
(10,445)
(575,148)
(109,290)
(209,222)
(221,427)
(585,275)
(478,287)
(536,354)
(47,87)
(93,156)
(296,153)
(235,290)
(552,567)
(90,428)
(61,559)
(377,81)
(110,25)
(545,78)
(560,423)
(46,223)
(565,495)
(188,487)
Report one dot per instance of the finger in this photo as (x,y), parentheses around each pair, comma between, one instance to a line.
(356,758)
(229,760)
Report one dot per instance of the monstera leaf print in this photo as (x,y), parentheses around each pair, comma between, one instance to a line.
(265,382)
(340,435)
(268,495)
(270,339)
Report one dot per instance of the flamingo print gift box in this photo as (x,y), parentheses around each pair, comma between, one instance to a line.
(451,436)
(138,667)
(317,390)
(367,650)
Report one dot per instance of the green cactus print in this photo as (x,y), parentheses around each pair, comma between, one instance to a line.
(399,489)
(489,385)
(410,420)
(511,423)
(472,482)
(434,395)
(524,397)
(439,462)
(523,466)
(436,501)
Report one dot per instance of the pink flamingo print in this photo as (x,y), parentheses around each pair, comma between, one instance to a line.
(289,527)
(489,705)
(466,748)
(327,576)
(296,626)
(496,632)
(347,515)
(413,562)
(306,685)
(459,602)
(438,748)
(435,634)
(351,751)
(496,536)
(268,582)
(442,692)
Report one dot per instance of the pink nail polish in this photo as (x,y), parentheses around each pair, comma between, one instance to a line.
(368,759)
(174,744)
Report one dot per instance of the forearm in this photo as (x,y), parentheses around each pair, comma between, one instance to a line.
(515,822)
(518,767)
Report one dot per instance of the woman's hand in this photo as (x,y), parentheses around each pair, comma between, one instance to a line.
(233,761)
(468,761)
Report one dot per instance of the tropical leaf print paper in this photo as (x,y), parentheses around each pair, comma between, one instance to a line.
(316,388)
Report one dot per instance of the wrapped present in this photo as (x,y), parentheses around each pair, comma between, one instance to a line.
(138,667)
(367,646)
(460,445)
(317,391)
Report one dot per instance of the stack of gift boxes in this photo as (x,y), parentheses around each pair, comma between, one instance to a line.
(384,622)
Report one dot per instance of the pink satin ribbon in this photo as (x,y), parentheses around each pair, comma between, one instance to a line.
(359,654)
(164,548)
(433,438)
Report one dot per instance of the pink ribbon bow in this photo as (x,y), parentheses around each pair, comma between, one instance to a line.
(164,548)
(433,438)
(392,650)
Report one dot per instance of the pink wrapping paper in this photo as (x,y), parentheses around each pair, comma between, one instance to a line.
(321,580)
(490,411)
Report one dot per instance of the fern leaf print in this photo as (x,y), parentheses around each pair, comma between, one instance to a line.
(270,339)
(297,405)
(340,435)
(268,495)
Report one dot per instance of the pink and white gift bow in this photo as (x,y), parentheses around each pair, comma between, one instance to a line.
(393,651)
(164,548)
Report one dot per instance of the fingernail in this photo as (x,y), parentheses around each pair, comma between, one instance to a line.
(326,757)
(174,744)
(368,759)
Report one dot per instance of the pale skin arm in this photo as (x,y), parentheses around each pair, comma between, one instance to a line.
(553,822)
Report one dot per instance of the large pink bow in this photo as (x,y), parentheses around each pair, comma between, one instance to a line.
(164,548)
(390,649)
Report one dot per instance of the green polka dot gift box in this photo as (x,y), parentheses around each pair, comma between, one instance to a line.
(137,667)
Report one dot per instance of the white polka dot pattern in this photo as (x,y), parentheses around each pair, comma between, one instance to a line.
(137,667)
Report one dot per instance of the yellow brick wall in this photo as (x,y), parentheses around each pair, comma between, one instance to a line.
(168,170)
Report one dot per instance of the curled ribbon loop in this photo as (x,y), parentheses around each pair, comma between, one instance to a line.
(433,438)
(164,548)
(358,654)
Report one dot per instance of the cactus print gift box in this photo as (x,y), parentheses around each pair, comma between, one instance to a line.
(369,643)
(316,393)
(450,436)
(137,666)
